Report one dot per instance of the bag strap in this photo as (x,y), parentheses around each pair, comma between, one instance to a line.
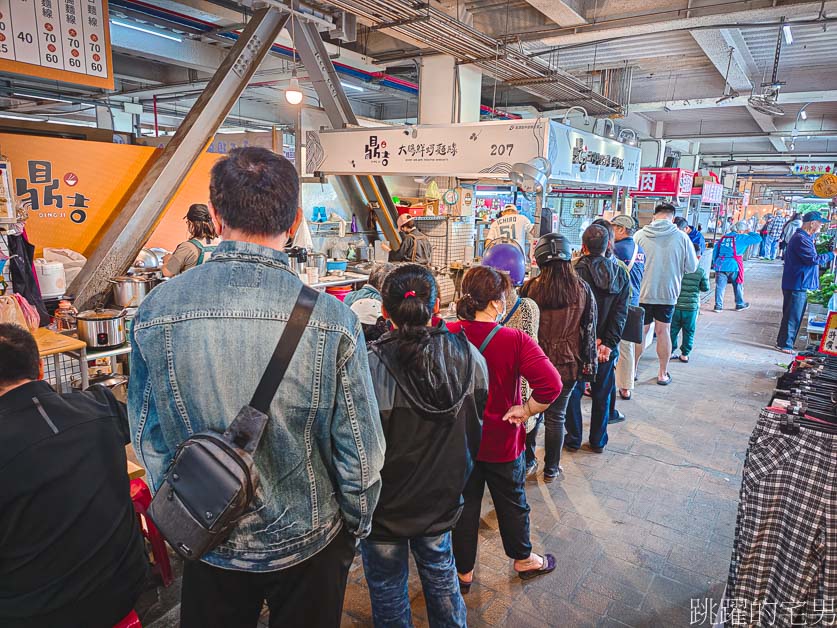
(511,312)
(633,257)
(285,349)
(489,337)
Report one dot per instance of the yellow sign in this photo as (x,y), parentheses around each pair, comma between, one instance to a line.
(73,188)
(828,344)
(59,40)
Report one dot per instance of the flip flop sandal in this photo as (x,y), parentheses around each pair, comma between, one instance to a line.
(664,382)
(548,566)
(625,397)
(684,359)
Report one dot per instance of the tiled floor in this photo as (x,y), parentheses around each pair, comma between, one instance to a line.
(643,532)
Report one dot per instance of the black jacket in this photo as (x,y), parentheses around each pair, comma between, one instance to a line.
(431,413)
(612,288)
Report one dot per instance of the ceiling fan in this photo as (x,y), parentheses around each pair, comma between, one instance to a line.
(766,102)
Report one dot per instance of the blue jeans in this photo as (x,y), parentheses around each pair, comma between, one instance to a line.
(601,391)
(793,309)
(722,278)
(387,567)
(770,246)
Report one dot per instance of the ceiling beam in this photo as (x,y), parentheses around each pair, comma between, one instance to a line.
(786,98)
(717,49)
(766,124)
(595,33)
(562,12)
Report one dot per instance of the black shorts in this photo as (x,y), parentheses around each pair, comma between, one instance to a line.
(656,312)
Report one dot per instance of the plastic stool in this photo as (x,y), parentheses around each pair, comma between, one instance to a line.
(129,621)
(141,496)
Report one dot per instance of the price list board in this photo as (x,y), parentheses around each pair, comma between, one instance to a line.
(61,40)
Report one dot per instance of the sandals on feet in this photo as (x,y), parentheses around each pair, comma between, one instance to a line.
(666,381)
(625,396)
(548,566)
(684,359)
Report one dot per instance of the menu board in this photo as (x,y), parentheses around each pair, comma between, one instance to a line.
(61,40)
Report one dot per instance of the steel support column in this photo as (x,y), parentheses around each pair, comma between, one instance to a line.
(143,210)
(315,58)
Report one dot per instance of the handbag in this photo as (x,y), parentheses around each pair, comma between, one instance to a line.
(212,479)
(634,329)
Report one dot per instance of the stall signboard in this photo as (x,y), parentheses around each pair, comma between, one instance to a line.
(72,189)
(712,193)
(58,40)
(828,344)
(813,169)
(583,157)
(672,182)
(481,150)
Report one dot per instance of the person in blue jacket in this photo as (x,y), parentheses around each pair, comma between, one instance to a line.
(728,264)
(695,236)
(801,273)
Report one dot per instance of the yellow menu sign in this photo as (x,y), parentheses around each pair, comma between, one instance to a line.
(828,344)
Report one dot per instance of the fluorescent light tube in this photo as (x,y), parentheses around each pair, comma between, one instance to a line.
(72,123)
(136,27)
(36,97)
(14,116)
(786,31)
(350,86)
(803,114)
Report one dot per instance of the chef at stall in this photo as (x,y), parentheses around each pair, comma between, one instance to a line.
(415,246)
(198,248)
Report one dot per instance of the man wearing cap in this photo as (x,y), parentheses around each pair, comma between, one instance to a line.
(801,273)
(415,246)
(631,254)
(198,249)
(512,225)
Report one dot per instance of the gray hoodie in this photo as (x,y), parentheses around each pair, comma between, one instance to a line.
(669,254)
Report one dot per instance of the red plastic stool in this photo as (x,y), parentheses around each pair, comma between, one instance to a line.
(129,621)
(141,496)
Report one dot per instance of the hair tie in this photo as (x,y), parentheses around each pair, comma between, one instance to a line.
(409,293)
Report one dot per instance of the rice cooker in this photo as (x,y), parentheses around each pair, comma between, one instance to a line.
(51,278)
(102,329)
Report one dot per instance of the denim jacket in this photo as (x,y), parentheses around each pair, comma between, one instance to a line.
(201,342)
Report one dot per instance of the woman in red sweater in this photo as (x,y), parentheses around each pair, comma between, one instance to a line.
(509,354)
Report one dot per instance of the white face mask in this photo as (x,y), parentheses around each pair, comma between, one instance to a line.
(502,315)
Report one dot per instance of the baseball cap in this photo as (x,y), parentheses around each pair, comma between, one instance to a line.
(812,216)
(367,310)
(509,207)
(625,221)
(403,219)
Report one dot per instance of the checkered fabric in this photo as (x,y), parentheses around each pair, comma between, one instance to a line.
(784,562)
(777,225)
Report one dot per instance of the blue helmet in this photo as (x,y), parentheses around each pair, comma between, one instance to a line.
(507,257)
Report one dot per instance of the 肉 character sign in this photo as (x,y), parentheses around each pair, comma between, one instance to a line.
(672,182)
(61,40)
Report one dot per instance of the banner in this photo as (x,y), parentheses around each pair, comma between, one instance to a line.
(712,193)
(72,189)
(672,182)
(582,157)
(59,40)
(472,151)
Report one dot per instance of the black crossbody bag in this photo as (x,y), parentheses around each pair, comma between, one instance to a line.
(212,478)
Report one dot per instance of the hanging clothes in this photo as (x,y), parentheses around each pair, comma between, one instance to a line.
(24,279)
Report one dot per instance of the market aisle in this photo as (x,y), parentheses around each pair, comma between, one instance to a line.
(647,527)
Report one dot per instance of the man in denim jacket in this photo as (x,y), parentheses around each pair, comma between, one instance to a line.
(201,343)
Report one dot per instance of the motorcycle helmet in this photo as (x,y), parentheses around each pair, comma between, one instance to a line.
(509,258)
(552,247)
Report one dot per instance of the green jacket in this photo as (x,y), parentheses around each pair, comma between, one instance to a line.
(693,284)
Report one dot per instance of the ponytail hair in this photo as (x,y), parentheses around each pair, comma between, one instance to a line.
(409,294)
(480,286)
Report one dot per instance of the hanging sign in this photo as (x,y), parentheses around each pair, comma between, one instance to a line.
(817,169)
(59,40)
(672,182)
(712,193)
(828,344)
(480,151)
(582,157)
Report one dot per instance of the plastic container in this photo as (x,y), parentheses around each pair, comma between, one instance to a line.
(337,265)
(339,292)
(51,278)
(64,318)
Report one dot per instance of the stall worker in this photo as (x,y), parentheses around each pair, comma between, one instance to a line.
(511,225)
(198,248)
(415,246)
(73,555)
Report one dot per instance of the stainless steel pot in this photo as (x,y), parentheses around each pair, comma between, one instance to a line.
(318,260)
(102,329)
(117,383)
(130,290)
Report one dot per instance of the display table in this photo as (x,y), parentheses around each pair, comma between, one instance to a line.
(53,344)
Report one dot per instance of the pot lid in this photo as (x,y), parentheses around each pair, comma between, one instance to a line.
(99,315)
(132,279)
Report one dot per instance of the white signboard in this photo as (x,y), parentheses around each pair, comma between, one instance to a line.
(815,169)
(475,151)
(62,40)
(582,157)
(712,193)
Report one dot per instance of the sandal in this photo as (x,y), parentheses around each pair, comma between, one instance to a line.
(548,566)
(684,359)
(625,396)
(464,587)
(666,381)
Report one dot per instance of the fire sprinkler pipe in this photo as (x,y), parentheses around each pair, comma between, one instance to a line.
(156,126)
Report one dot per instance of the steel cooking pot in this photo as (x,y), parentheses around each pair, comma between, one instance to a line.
(117,383)
(102,329)
(130,290)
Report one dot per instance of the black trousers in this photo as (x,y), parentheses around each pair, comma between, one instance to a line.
(507,483)
(309,594)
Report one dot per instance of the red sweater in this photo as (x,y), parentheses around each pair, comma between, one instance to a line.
(510,355)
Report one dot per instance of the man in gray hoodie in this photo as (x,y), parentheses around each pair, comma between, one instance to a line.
(669,254)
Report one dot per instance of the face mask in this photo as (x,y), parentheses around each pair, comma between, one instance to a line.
(501,317)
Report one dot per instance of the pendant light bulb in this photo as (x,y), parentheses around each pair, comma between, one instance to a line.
(294,94)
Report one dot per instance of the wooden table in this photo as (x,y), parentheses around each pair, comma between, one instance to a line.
(135,471)
(54,344)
